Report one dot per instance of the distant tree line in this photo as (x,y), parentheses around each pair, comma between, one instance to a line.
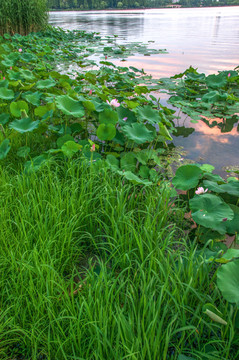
(132,4)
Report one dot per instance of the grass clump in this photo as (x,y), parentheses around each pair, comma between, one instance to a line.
(23,16)
(96,268)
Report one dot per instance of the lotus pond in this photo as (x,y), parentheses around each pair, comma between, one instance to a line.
(81,121)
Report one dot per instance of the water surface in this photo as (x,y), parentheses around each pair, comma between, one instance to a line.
(205,38)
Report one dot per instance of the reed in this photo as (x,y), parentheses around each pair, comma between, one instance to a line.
(23,16)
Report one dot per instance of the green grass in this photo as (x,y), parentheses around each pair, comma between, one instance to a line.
(22,16)
(94,268)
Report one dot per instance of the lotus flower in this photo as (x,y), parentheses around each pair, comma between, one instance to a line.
(113,102)
(92,147)
(200,190)
(20,50)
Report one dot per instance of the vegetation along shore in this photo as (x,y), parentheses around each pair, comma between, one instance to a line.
(110,246)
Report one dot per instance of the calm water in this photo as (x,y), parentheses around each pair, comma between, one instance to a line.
(206,38)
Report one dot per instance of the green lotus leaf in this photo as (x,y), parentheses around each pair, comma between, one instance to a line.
(164,132)
(23,151)
(36,163)
(228,281)
(210,211)
(28,57)
(70,106)
(128,162)
(4,148)
(232,188)
(4,83)
(70,148)
(17,107)
(195,77)
(146,113)
(214,96)
(108,116)
(24,125)
(45,84)
(6,94)
(4,118)
(233,225)
(33,98)
(125,116)
(212,186)
(134,178)
(112,162)
(138,133)
(106,131)
(15,75)
(43,110)
(144,172)
(187,177)
(63,139)
(27,74)
(216,81)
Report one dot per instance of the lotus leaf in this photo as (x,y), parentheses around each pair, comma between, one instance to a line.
(18,107)
(4,118)
(4,148)
(24,125)
(106,131)
(70,106)
(138,133)
(33,98)
(210,211)
(6,94)
(45,84)
(146,113)
(187,177)
(112,162)
(69,148)
(108,116)
(228,281)
(216,81)
(128,162)
(23,151)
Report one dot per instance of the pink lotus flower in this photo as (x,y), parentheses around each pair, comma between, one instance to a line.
(10,67)
(229,75)
(92,147)
(200,190)
(90,92)
(125,118)
(3,78)
(20,50)
(113,102)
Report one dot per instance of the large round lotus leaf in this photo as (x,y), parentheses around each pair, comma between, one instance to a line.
(70,106)
(187,177)
(63,139)
(24,125)
(108,116)
(138,133)
(212,186)
(146,113)
(214,96)
(4,148)
(216,81)
(45,84)
(195,77)
(69,148)
(106,131)
(6,94)
(232,188)
(228,281)
(210,210)
(17,107)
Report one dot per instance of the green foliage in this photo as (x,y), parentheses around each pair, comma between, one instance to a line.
(23,16)
(83,106)
(93,264)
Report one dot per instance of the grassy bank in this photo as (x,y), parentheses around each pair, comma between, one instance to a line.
(94,268)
